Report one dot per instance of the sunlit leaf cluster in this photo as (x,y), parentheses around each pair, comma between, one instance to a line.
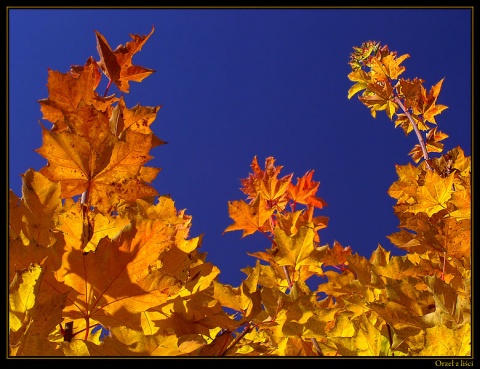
(101,264)
(376,71)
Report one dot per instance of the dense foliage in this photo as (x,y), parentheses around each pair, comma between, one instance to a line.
(100,264)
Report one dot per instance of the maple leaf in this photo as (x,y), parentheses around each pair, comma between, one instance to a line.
(305,190)
(405,188)
(366,341)
(387,67)
(22,295)
(462,201)
(265,183)
(404,122)
(379,96)
(248,218)
(111,169)
(427,106)
(137,119)
(31,219)
(337,255)
(433,195)
(239,299)
(432,145)
(126,341)
(442,341)
(112,292)
(33,314)
(71,223)
(296,250)
(117,64)
(411,91)
(73,94)
(362,81)
(295,346)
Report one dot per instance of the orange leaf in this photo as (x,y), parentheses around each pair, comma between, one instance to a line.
(388,66)
(110,172)
(72,92)
(336,255)
(304,191)
(265,183)
(427,106)
(248,218)
(117,64)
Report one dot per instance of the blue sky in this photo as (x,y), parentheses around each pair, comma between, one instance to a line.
(235,83)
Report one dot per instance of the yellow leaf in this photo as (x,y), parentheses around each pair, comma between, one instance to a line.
(343,327)
(463,204)
(106,227)
(442,341)
(296,250)
(433,195)
(237,298)
(23,293)
(75,348)
(189,343)
(248,218)
(388,66)
(362,80)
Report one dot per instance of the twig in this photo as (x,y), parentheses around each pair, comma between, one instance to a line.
(417,131)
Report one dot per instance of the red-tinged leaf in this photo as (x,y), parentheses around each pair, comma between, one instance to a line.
(305,190)
(428,107)
(117,64)
(411,92)
(266,184)
(337,255)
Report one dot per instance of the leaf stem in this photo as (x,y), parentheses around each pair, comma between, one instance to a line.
(83,199)
(316,346)
(108,86)
(289,281)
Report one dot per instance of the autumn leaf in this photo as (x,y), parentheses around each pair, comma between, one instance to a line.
(361,79)
(442,341)
(22,294)
(71,223)
(138,119)
(405,188)
(304,192)
(265,183)
(31,219)
(336,255)
(239,299)
(427,106)
(411,92)
(111,170)
(433,195)
(367,341)
(72,97)
(379,96)
(387,67)
(248,218)
(296,250)
(462,201)
(117,64)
